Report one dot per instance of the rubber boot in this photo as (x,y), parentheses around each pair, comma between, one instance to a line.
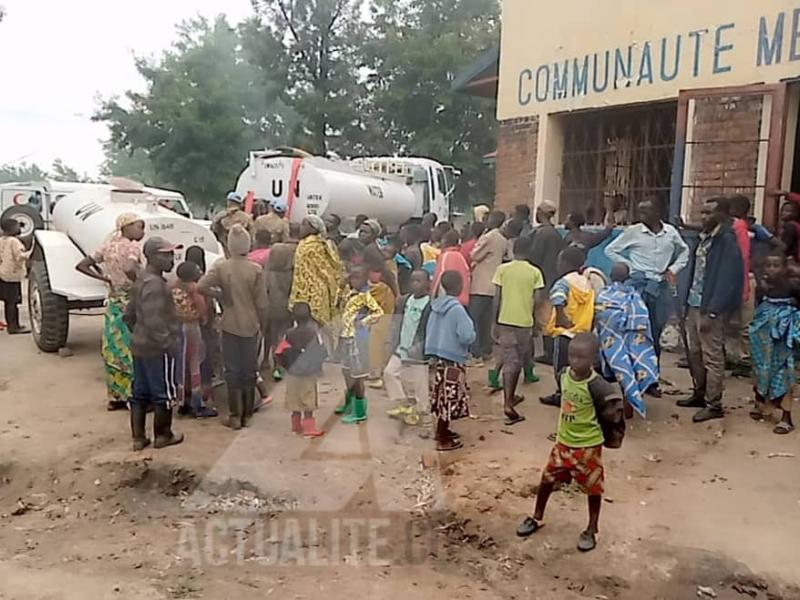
(494,380)
(138,426)
(310,428)
(297,423)
(249,406)
(163,428)
(359,412)
(347,407)
(235,408)
(530,375)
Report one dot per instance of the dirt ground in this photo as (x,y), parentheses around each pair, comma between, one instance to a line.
(691,510)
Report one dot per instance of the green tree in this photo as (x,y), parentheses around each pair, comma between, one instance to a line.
(414,54)
(21,173)
(312,48)
(134,164)
(201,114)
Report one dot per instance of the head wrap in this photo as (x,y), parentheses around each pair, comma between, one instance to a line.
(126,219)
(238,241)
(317,224)
(374,226)
(480,212)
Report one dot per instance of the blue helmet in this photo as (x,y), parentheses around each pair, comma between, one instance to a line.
(278,205)
(234,197)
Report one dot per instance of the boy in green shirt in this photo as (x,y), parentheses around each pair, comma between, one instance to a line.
(591,416)
(517,286)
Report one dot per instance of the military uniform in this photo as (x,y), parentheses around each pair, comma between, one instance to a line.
(225,219)
(277,227)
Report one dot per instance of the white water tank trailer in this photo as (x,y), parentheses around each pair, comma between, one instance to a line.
(319,186)
(78,224)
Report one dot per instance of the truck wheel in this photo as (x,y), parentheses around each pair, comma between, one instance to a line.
(48,311)
(27,216)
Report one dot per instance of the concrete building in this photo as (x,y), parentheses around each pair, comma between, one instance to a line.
(678,100)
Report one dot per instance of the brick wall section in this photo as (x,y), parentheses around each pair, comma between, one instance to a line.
(515,176)
(728,165)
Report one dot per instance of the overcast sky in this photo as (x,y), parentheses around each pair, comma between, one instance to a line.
(57,56)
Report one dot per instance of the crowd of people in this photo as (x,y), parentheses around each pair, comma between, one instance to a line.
(409,311)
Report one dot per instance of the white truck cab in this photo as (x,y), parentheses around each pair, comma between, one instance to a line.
(433,183)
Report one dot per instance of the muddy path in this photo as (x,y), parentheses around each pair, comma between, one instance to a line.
(709,511)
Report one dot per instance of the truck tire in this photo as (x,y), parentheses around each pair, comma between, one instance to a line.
(27,216)
(49,312)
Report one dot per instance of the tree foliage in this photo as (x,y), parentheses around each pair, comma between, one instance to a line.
(350,77)
(311,47)
(415,54)
(27,172)
(201,114)
(133,164)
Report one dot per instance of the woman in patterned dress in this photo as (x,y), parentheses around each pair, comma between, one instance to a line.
(318,273)
(117,263)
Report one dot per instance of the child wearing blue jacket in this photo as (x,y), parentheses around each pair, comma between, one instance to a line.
(448,338)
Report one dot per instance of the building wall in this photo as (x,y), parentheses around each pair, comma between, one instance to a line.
(515,176)
(723,150)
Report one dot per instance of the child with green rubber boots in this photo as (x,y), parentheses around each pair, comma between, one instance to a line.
(360,312)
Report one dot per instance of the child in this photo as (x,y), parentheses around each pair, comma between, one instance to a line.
(360,312)
(240,287)
(12,272)
(261,249)
(517,284)
(192,310)
(626,345)
(212,361)
(572,298)
(408,344)
(774,334)
(302,356)
(448,336)
(278,274)
(151,316)
(451,259)
(591,416)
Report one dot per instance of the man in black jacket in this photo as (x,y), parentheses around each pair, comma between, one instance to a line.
(151,316)
(715,292)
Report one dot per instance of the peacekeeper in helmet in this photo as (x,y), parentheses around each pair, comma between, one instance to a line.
(274,222)
(232,215)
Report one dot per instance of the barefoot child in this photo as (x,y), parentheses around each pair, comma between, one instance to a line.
(448,338)
(591,416)
(774,336)
(192,310)
(302,356)
(360,312)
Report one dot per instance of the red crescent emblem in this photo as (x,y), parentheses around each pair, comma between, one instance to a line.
(19,199)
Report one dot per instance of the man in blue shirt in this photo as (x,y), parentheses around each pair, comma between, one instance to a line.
(655,253)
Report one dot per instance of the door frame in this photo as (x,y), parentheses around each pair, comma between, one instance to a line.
(775,146)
